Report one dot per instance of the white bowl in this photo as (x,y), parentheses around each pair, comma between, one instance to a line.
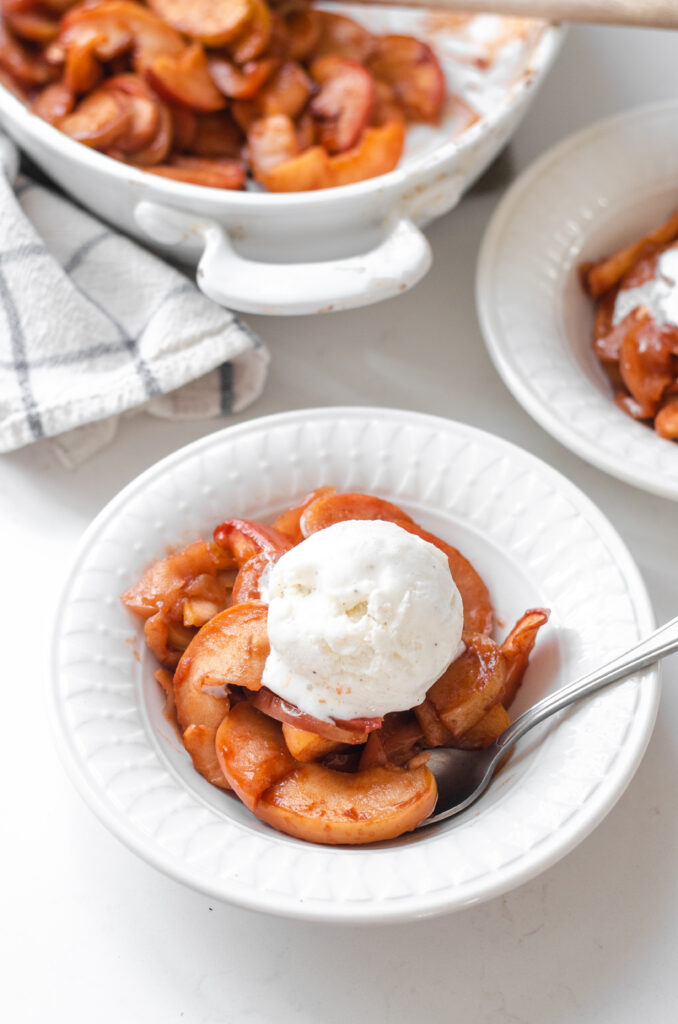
(316,251)
(592,193)
(535,538)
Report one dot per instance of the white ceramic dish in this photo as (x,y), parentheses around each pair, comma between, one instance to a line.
(318,251)
(535,538)
(597,190)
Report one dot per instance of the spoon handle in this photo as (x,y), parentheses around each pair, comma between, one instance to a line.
(648,13)
(660,643)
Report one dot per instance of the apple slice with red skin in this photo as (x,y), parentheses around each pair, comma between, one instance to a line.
(412,70)
(246,586)
(241,83)
(354,730)
(343,106)
(246,538)
(516,650)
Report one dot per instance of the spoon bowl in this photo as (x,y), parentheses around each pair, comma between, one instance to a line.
(463,775)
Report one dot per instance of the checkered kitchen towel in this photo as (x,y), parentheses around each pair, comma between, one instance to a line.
(93,326)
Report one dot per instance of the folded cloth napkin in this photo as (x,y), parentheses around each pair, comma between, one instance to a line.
(93,326)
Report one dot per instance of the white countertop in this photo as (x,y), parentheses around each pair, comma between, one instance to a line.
(91,933)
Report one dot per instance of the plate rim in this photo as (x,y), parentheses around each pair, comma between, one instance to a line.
(495,337)
(414,906)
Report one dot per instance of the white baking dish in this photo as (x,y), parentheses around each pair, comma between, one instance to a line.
(313,252)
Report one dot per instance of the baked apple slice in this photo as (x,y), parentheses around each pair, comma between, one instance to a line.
(666,420)
(31,25)
(353,731)
(120,25)
(82,70)
(246,538)
(330,508)
(241,83)
(412,70)
(378,152)
(289,521)
(471,685)
(27,67)
(98,120)
(252,752)
(302,31)
(271,141)
(304,173)
(344,37)
(343,107)
(216,135)
(286,91)
(159,146)
(216,172)
(246,586)
(213,22)
(309,746)
(486,730)
(184,78)
(254,36)
(53,103)
(230,650)
(320,805)
(144,108)
(516,650)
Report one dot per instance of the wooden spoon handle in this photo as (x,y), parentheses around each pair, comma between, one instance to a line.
(648,13)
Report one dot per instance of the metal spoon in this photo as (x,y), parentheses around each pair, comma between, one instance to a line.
(464,775)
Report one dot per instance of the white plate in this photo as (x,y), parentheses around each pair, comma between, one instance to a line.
(534,537)
(597,190)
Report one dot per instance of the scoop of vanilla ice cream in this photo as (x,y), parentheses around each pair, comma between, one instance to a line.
(362,618)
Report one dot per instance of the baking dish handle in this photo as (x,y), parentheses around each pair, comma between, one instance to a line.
(287,289)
